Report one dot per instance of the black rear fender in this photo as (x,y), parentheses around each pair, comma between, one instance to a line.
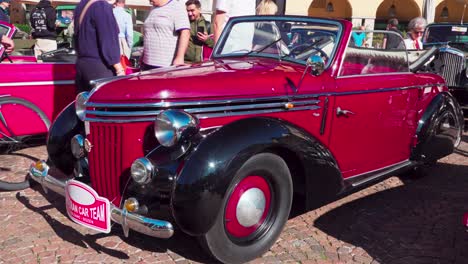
(439,130)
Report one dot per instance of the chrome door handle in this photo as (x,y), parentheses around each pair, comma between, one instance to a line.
(340,112)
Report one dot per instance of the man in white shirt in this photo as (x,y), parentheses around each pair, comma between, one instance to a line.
(240,38)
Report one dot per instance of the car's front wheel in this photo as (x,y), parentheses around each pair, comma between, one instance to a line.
(254,211)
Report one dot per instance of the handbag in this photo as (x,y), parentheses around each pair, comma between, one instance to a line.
(124,61)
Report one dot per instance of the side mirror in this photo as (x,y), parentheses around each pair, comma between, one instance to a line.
(317,64)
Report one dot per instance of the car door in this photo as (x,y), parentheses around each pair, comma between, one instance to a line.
(371,126)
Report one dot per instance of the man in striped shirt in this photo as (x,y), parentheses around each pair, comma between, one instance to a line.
(166,34)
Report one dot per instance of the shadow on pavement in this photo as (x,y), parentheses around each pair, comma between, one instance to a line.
(181,244)
(69,234)
(419,222)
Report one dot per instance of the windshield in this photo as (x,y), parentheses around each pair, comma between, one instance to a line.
(279,38)
(446,33)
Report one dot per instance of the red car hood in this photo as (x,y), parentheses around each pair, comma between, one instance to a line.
(218,79)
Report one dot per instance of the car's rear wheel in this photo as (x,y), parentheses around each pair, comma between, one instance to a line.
(254,211)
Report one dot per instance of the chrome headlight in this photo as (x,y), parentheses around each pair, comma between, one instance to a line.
(142,170)
(171,126)
(80,104)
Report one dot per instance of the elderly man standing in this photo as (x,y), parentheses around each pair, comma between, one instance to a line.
(416,29)
(124,21)
(200,32)
(4,5)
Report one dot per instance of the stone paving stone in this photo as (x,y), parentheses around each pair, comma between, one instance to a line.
(397,221)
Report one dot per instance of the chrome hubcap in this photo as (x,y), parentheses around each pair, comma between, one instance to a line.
(250,208)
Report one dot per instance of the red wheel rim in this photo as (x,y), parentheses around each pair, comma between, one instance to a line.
(248,206)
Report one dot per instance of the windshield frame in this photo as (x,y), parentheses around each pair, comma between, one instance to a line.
(300,19)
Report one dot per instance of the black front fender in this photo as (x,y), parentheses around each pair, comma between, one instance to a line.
(65,126)
(202,184)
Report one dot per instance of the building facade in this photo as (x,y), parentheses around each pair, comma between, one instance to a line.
(374,14)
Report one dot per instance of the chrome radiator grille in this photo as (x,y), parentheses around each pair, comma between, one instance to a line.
(105,160)
(453,68)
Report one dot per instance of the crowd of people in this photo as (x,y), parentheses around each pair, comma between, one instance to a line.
(175,33)
(394,40)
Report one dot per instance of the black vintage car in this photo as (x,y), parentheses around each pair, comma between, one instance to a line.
(451,60)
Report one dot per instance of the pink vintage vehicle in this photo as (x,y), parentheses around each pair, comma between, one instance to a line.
(32,94)
(219,149)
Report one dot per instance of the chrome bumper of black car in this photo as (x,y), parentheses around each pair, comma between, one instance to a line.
(39,172)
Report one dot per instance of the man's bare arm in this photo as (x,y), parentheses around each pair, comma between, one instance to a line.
(218,24)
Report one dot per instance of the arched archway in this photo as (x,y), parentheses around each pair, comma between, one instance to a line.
(330,9)
(454,11)
(403,10)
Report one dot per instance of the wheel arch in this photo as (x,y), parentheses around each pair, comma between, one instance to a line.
(432,144)
(64,127)
(203,182)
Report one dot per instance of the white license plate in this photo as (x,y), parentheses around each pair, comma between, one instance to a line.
(86,207)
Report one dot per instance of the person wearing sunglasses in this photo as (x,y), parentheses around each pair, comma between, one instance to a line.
(415,31)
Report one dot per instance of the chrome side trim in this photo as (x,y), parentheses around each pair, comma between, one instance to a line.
(201,110)
(201,103)
(116,113)
(120,113)
(131,119)
(139,223)
(65,82)
(375,174)
(373,74)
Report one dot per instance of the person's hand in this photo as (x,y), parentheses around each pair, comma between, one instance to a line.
(119,70)
(202,36)
(8,44)
(121,73)
(178,62)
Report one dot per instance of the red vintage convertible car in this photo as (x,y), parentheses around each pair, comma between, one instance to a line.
(32,94)
(217,150)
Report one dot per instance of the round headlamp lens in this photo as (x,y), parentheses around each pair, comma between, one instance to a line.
(80,104)
(173,125)
(165,130)
(142,170)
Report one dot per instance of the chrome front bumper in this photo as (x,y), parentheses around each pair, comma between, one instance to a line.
(39,172)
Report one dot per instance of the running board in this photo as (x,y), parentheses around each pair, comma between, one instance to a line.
(373,175)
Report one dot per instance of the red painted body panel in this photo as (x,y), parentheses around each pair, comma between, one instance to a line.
(363,142)
(49,86)
(221,79)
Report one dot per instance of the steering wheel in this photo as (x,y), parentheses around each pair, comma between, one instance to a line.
(306,47)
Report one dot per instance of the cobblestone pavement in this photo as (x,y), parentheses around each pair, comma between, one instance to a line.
(395,221)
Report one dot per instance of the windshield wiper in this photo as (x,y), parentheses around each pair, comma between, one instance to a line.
(262,48)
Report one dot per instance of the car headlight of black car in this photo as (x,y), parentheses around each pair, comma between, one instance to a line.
(80,104)
(142,170)
(172,126)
